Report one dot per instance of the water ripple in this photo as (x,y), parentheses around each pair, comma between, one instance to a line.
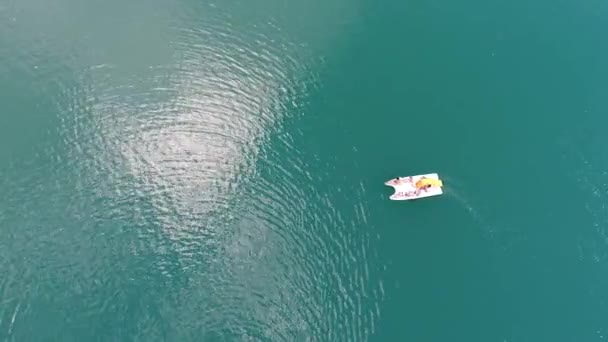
(181,198)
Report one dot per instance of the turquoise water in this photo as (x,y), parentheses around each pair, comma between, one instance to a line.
(213,171)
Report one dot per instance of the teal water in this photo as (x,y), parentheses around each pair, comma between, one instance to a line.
(213,171)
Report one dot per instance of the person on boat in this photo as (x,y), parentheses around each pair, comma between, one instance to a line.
(423,183)
(426,183)
(401,180)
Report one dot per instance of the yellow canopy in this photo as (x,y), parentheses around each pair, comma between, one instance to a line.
(428,181)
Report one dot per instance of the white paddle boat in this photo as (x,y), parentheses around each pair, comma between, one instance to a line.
(415,187)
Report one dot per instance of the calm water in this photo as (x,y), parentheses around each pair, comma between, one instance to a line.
(213,171)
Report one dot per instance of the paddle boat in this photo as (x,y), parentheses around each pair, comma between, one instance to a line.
(415,187)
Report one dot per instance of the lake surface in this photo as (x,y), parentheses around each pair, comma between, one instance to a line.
(213,171)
